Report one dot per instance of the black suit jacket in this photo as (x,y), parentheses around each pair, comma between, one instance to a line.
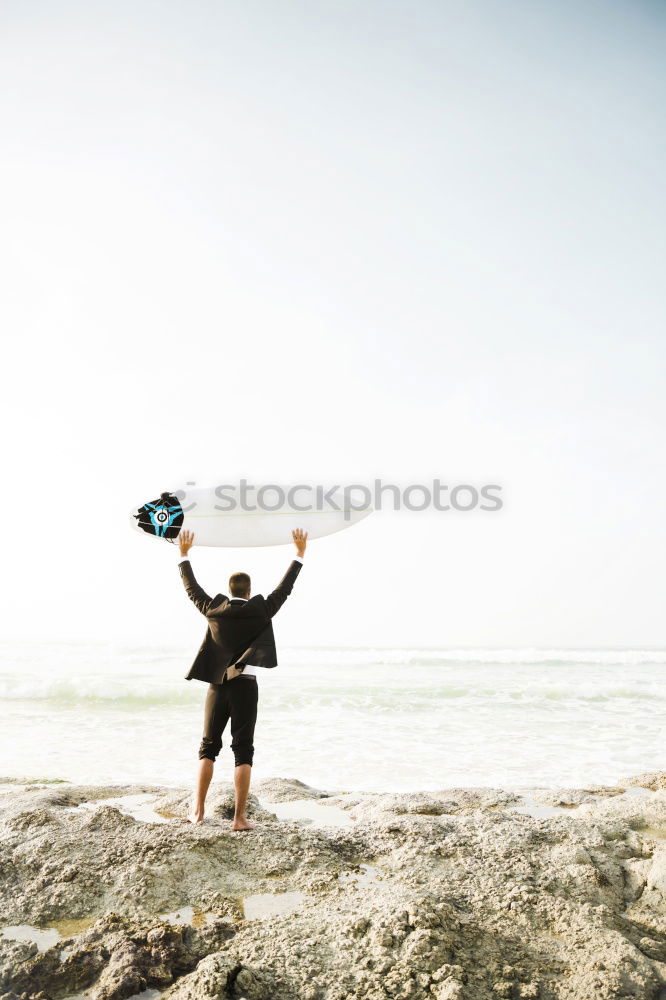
(238,632)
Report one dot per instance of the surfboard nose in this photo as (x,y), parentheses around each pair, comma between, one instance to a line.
(162,518)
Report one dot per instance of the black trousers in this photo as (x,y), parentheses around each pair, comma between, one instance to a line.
(234,700)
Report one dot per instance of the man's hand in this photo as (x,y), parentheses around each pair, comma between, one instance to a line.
(185,542)
(300,541)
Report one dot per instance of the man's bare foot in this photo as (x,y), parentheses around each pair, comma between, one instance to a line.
(195,817)
(242,824)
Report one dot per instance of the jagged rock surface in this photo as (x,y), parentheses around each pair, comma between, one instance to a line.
(464,899)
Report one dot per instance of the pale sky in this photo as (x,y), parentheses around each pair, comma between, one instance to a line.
(327,242)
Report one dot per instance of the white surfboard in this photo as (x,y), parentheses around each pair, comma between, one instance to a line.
(221,517)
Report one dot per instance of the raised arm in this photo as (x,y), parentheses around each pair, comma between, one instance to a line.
(196,594)
(275,600)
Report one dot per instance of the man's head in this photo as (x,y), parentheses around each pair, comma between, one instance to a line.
(239,585)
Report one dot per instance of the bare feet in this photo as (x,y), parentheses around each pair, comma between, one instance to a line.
(195,817)
(241,823)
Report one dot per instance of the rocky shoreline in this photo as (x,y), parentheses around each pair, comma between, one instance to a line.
(460,894)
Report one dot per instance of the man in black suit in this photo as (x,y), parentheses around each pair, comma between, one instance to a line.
(238,641)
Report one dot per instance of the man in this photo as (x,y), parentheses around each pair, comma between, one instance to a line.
(238,641)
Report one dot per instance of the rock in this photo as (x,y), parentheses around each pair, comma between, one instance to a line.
(654,780)
(220,804)
(463,899)
(571,798)
(448,990)
(287,790)
(656,876)
(118,957)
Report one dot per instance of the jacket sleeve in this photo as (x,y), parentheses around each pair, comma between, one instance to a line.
(196,594)
(275,600)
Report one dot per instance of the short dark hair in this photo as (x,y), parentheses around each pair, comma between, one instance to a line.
(239,584)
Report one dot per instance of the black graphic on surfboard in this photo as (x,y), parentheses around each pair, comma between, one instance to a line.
(163,517)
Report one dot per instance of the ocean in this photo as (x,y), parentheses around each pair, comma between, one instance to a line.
(340,719)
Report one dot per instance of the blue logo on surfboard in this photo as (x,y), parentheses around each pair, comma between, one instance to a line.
(162,518)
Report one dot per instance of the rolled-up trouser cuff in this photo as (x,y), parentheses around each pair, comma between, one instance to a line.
(243,755)
(208,750)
